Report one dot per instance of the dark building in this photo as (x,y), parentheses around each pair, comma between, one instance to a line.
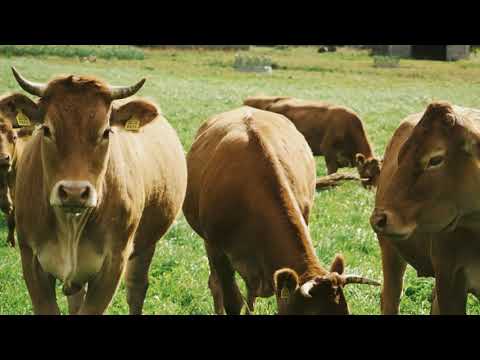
(430,52)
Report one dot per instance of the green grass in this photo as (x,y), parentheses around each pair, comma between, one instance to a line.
(193,85)
(104,52)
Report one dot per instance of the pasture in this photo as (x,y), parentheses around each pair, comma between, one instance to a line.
(190,86)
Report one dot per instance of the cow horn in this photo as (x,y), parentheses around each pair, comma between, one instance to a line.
(354,279)
(305,288)
(122,92)
(30,87)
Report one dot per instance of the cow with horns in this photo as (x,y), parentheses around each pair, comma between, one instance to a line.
(97,186)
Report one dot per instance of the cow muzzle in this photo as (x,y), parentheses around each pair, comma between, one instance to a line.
(5,161)
(73,196)
(388,224)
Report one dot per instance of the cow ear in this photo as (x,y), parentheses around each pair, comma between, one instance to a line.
(286,282)
(471,146)
(360,158)
(338,264)
(20,110)
(133,115)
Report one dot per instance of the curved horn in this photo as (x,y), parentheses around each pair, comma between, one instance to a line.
(305,288)
(33,88)
(122,92)
(354,279)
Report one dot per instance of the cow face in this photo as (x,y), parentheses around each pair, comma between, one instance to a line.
(8,137)
(322,295)
(368,169)
(76,120)
(10,108)
(436,177)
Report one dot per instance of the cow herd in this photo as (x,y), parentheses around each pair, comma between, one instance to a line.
(91,179)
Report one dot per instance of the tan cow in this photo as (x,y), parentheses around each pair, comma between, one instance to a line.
(12,142)
(335,132)
(251,184)
(427,210)
(98,185)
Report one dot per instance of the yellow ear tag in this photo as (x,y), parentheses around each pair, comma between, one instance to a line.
(23,119)
(284,294)
(133,124)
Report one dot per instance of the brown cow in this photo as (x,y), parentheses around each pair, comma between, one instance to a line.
(251,184)
(427,209)
(97,187)
(12,143)
(335,132)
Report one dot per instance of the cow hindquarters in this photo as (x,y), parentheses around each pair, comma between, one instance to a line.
(40,285)
(393,266)
(224,288)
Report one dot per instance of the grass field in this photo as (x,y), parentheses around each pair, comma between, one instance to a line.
(192,85)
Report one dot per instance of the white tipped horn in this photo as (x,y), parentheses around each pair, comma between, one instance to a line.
(31,87)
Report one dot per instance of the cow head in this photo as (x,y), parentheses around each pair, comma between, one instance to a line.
(368,169)
(76,120)
(10,129)
(322,295)
(436,178)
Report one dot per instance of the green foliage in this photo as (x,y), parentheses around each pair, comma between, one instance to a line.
(81,51)
(189,90)
(386,61)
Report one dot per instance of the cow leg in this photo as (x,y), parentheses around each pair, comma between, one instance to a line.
(434,310)
(40,285)
(393,266)
(451,295)
(102,288)
(222,279)
(331,161)
(217,294)
(250,302)
(11,228)
(76,301)
(450,281)
(136,279)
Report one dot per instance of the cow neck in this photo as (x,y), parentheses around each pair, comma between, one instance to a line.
(362,143)
(69,229)
(306,263)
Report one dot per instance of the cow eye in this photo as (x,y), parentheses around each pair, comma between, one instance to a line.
(435,161)
(46,131)
(107,132)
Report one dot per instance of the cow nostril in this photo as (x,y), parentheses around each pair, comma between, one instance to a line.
(62,193)
(85,193)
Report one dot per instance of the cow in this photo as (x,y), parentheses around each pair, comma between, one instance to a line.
(426,209)
(97,186)
(13,138)
(332,131)
(251,185)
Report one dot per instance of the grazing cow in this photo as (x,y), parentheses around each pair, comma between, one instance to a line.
(427,209)
(335,132)
(251,184)
(98,185)
(12,143)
